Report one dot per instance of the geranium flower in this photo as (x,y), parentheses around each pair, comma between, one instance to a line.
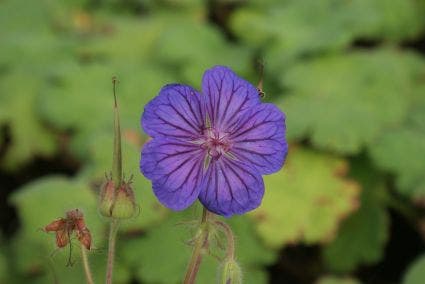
(214,145)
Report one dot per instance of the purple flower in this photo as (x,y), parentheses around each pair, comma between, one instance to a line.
(213,145)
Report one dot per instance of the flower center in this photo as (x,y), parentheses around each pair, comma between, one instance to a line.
(215,143)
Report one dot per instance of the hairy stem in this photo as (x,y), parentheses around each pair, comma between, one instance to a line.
(111,251)
(89,277)
(230,251)
(201,242)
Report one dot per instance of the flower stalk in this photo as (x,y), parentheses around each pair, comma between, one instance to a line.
(201,243)
(230,238)
(111,250)
(230,270)
(86,266)
(116,198)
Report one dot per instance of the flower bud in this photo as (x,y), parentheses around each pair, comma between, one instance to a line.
(124,205)
(230,272)
(107,197)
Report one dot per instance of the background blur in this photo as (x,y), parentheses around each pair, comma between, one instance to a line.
(348,206)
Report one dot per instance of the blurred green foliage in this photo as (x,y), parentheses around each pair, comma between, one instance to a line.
(296,208)
(343,72)
(336,280)
(416,273)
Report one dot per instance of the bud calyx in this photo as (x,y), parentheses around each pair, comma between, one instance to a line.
(117,202)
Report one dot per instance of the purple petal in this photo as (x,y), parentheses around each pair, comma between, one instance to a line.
(259,138)
(175,168)
(230,187)
(175,112)
(226,95)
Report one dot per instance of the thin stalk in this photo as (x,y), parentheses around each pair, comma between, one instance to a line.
(201,243)
(230,251)
(89,277)
(111,250)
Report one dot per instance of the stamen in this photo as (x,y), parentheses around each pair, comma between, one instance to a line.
(230,155)
(207,161)
(207,121)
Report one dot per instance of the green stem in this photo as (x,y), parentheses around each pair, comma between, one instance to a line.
(86,266)
(201,242)
(230,251)
(111,251)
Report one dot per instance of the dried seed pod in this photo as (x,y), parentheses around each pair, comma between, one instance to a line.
(55,225)
(62,238)
(65,227)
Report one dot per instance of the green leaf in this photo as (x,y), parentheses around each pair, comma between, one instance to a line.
(344,102)
(362,237)
(33,24)
(308,29)
(416,272)
(292,29)
(29,137)
(306,200)
(337,280)
(195,46)
(401,150)
(81,91)
(146,254)
(396,19)
(126,40)
(197,7)
(34,13)
(309,26)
